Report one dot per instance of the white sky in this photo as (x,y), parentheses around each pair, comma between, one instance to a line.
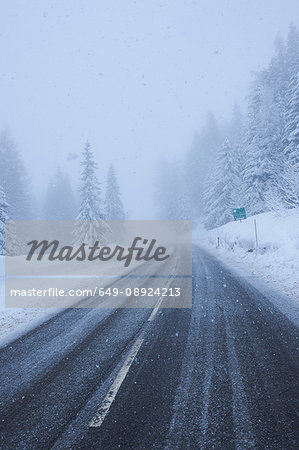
(134,77)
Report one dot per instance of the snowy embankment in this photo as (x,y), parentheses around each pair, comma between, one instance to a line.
(13,319)
(16,321)
(277,257)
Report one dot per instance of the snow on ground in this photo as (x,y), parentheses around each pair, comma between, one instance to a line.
(16,321)
(277,258)
(13,319)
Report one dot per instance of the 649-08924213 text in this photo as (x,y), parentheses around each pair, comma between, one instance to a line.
(101,292)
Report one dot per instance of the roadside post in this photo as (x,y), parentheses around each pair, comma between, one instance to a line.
(256,241)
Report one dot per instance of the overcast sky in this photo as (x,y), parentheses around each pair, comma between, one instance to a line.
(136,78)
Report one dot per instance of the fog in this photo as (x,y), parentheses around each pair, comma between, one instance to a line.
(134,78)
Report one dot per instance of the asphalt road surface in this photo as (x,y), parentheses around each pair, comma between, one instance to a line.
(220,375)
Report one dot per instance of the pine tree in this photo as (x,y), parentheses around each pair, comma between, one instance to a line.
(236,140)
(9,243)
(287,184)
(262,149)
(219,200)
(291,150)
(282,69)
(285,190)
(292,53)
(90,225)
(114,209)
(60,202)
(14,179)
(3,218)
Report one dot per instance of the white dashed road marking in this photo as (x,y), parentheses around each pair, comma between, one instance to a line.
(111,394)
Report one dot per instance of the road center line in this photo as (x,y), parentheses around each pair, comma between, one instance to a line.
(157,306)
(111,394)
(155,310)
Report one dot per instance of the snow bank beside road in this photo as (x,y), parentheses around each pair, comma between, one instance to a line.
(277,259)
(16,321)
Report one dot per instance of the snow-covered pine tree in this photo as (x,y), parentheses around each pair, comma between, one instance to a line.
(219,190)
(236,140)
(286,188)
(291,150)
(14,179)
(60,203)
(90,225)
(210,211)
(9,243)
(262,148)
(254,106)
(283,69)
(3,218)
(114,209)
(292,53)
(276,77)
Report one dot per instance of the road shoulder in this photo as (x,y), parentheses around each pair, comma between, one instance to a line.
(287,305)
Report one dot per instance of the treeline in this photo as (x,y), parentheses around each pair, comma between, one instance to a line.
(252,161)
(61,202)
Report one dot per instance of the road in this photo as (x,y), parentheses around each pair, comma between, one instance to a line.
(220,375)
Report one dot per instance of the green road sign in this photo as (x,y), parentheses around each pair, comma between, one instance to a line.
(239,213)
